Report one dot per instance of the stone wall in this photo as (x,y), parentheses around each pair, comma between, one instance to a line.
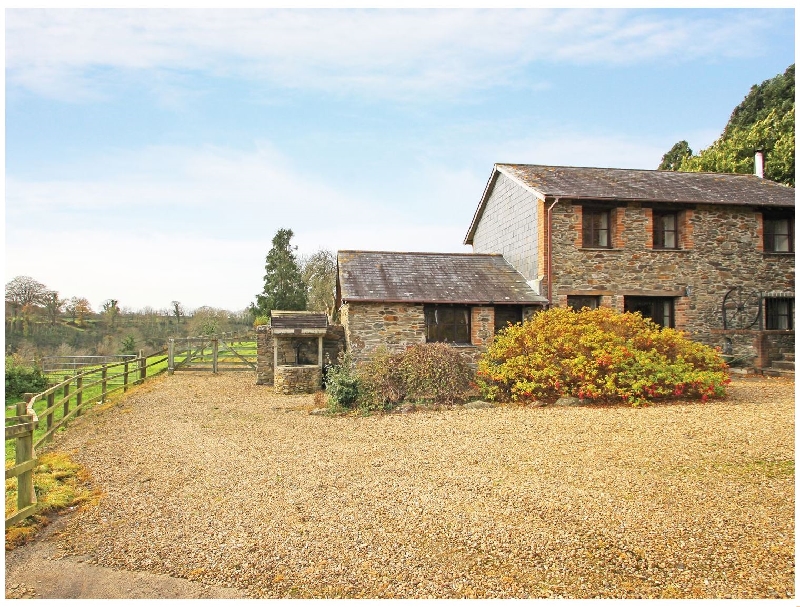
(720,250)
(305,379)
(396,327)
(332,344)
(369,326)
(509,225)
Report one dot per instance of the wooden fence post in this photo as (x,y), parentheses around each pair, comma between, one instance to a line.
(171,357)
(104,384)
(214,354)
(66,396)
(26,493)
(51,399)
(78,394)
(142,367)
(125,378)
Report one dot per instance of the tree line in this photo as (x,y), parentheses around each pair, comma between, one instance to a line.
(764,121)
(40,322)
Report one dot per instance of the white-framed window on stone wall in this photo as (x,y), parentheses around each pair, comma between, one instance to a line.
(779,313)
(578,302)
(778,232)
(447,323)
(661,310)
(665,230)
(596,227)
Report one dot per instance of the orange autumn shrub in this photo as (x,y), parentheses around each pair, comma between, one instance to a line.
(598,355)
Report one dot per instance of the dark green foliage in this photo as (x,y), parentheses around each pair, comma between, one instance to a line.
(283,283)
(23,377)
(673,159)
(774,94)
(763,121)
(341,383)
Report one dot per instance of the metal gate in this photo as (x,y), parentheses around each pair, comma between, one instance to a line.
(212,353)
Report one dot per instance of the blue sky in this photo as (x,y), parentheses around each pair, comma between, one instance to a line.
(151,155)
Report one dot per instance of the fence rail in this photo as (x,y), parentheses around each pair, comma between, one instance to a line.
(94,384)
(60,364)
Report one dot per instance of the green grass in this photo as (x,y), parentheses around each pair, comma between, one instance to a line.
(91,394)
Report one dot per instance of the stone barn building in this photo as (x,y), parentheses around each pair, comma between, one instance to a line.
(396,300)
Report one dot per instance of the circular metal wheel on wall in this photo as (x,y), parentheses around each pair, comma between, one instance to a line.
(741,309)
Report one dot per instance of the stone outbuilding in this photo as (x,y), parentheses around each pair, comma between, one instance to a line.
(396,300)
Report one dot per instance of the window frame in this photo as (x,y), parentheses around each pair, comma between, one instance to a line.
(437,327)
(591,233)
(517,313)
(594,300)
(660,310)
(774,315)
(660,231)
(770,221)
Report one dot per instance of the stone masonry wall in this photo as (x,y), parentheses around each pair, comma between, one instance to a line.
(396,327)
(721,250)
(509,226)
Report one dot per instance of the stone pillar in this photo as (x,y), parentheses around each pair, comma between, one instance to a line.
(265,366)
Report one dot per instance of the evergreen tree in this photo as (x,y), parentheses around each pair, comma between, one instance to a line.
(283,284)
(673,159)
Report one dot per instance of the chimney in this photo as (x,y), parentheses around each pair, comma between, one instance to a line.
(759,164)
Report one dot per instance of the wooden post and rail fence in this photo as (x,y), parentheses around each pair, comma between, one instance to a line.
(92,385)
(69,397)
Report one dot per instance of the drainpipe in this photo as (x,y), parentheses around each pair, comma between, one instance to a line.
(550,253)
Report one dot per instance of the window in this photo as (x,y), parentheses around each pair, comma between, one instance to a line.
(778,234)
(578,302)
(447,323)
(779,312)
(596,227)
(661,310)
(506,314)
(665,230)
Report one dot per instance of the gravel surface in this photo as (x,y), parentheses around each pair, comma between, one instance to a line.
(219,481)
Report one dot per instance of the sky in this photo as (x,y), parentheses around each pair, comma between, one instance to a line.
(151,155)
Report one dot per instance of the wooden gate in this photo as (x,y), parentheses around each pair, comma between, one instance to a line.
(214,353)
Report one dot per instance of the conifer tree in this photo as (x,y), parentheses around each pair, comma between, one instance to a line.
(283,283)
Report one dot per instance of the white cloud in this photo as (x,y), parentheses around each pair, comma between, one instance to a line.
(383,53)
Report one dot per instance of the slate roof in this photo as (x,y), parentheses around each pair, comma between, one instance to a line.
(285,320)
(464,278)
(549,182)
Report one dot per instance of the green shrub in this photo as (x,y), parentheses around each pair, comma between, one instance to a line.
(22,377)
(382,385)
(341,383)
(598,355)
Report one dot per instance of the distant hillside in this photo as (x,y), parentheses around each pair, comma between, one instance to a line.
(764,120)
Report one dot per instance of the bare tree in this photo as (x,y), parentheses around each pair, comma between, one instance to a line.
(319,276)
(24,291)
(54,305)
(177,310)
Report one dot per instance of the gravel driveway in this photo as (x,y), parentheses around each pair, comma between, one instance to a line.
(216,480)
